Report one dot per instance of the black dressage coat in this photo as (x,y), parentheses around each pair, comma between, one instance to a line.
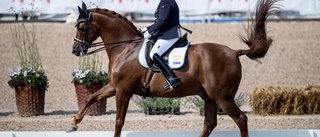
(167,21)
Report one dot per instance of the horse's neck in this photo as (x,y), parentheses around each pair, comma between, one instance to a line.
(118,35)
(125,49)
(116,52)
(114,29)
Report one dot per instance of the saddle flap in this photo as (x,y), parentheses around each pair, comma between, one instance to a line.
(177,56)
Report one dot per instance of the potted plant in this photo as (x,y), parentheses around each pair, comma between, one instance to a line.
(156,106)
(175,105)
(145,105)
(161,104)
(30,81)
(88,79)
(199,104)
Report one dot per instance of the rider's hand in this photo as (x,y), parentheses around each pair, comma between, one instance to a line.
(144,30)
(146,35)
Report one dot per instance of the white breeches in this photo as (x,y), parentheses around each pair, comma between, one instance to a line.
(161,46)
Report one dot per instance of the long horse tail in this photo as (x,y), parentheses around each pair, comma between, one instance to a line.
(256,37)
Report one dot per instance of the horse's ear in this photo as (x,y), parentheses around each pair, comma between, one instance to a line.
(84,6)
(82,13)
(79,9)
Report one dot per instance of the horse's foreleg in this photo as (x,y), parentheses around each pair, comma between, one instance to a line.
(210,119)
(105,92)
(230,107)
(122,101)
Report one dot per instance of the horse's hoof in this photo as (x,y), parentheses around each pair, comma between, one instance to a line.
(72,129)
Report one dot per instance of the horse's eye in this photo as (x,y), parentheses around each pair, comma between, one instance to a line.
(81,29)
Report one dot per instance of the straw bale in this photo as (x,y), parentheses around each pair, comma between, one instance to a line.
(312,95)
(293,101)
(265,101)
(286,100)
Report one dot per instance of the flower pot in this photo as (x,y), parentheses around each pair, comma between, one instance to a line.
(169,110)
(153,111)
(162,111)
(146,111)
(220,112)
(201,112)
(176,110)
(29,100)
(83,92)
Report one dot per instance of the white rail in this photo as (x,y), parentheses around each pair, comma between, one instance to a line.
(254,133)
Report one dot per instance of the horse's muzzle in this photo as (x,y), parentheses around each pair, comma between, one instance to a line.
(80,48)
(75,51)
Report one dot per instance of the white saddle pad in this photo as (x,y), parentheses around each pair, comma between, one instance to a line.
(176,57)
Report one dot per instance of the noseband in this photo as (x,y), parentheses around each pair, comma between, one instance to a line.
(84,45)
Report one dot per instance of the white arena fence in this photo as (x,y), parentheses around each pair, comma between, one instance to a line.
(188,8)
(148,6)
(233,133)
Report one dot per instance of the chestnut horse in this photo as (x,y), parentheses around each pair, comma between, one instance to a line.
(212,71)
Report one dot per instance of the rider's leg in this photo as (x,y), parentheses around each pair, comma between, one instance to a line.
(160,47)
(172,79)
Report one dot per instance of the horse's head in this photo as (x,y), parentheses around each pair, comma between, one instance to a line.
(85,32)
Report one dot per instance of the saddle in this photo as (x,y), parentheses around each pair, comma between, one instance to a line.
(175,56)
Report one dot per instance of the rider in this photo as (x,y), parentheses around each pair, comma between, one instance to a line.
(167,31)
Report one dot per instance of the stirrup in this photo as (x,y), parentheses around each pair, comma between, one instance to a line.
(172,82)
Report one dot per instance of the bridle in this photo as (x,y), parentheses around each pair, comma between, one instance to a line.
(84,45)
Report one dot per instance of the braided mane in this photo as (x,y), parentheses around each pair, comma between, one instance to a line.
(107,11)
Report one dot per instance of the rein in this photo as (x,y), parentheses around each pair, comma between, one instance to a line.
(111,45)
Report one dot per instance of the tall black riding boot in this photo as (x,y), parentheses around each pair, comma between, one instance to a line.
(172,79)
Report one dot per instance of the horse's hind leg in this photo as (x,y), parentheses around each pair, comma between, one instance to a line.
(105,92)
(210,119)
(229,106)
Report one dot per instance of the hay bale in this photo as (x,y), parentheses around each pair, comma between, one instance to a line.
(286,101)
(293,101)
(265,101)
(312,95)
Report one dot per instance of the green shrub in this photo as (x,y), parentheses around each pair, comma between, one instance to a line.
(199,103)
(156,104)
